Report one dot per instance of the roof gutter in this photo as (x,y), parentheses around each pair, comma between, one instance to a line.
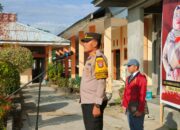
(29,43)
(96,2)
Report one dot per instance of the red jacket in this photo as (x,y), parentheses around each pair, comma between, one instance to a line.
(135,90)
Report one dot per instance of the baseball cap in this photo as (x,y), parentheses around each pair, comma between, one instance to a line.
(90,36)
(133,62)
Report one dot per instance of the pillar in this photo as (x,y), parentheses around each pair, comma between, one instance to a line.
(81,53)
(108,52)
(146,51)
(136,35)
(50,54)
(73,57)
(47,55)
(66,62)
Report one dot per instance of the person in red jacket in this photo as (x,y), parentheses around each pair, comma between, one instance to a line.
(134,96)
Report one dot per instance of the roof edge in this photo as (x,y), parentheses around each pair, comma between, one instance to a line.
(89,17)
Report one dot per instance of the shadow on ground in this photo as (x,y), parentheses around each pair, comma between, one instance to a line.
(31,107)
(170,123)
(32,92)
(55,120)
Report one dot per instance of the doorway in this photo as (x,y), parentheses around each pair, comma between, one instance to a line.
(38,67)
(117,64)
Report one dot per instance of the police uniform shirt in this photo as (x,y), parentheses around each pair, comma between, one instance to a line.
(92,89)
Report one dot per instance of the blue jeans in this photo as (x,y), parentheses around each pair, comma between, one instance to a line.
(135,123)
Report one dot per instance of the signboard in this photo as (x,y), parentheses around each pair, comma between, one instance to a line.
(170,84)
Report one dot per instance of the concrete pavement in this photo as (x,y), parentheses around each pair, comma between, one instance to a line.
(63,112)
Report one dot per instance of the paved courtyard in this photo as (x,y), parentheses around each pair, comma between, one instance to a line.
(62,112)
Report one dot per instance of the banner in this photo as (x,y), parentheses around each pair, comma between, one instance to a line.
(170,84)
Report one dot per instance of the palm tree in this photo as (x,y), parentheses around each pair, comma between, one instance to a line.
(1,7)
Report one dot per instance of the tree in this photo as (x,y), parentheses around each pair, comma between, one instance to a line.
(9,78)
(20,57)
(1,7)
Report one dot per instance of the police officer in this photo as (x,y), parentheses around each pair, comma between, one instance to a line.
(134,96)
(93,83)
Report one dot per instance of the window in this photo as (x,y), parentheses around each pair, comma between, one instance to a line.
(114,43)
(125,53)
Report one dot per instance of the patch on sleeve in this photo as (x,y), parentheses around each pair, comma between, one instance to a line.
(101,69)
(100,63)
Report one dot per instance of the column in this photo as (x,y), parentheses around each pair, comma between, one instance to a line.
(148,51)
(66,62)
(108,52)
(81,53)
(47,55)
(136,35)
(50,54)
(73,57)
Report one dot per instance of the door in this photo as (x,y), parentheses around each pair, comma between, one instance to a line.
(117,64)
(38,67)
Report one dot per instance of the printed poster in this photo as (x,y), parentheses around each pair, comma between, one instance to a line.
(170,88)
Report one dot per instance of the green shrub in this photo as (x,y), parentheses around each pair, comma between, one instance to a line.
(72,82)
(121,92)
(63,82)
(117,101)
(75,82)
(55,76)
(55,72)
(9,78)
(20,57)
(78,81)
(5,108)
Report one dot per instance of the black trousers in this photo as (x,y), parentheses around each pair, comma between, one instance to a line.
(91,122)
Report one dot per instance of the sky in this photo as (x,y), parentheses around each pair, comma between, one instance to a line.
(52,15)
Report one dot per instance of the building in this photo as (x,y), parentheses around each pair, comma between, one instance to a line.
(144,24)
(130,29)
(40,43)
(99,22)
(143,34)
(128,32)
